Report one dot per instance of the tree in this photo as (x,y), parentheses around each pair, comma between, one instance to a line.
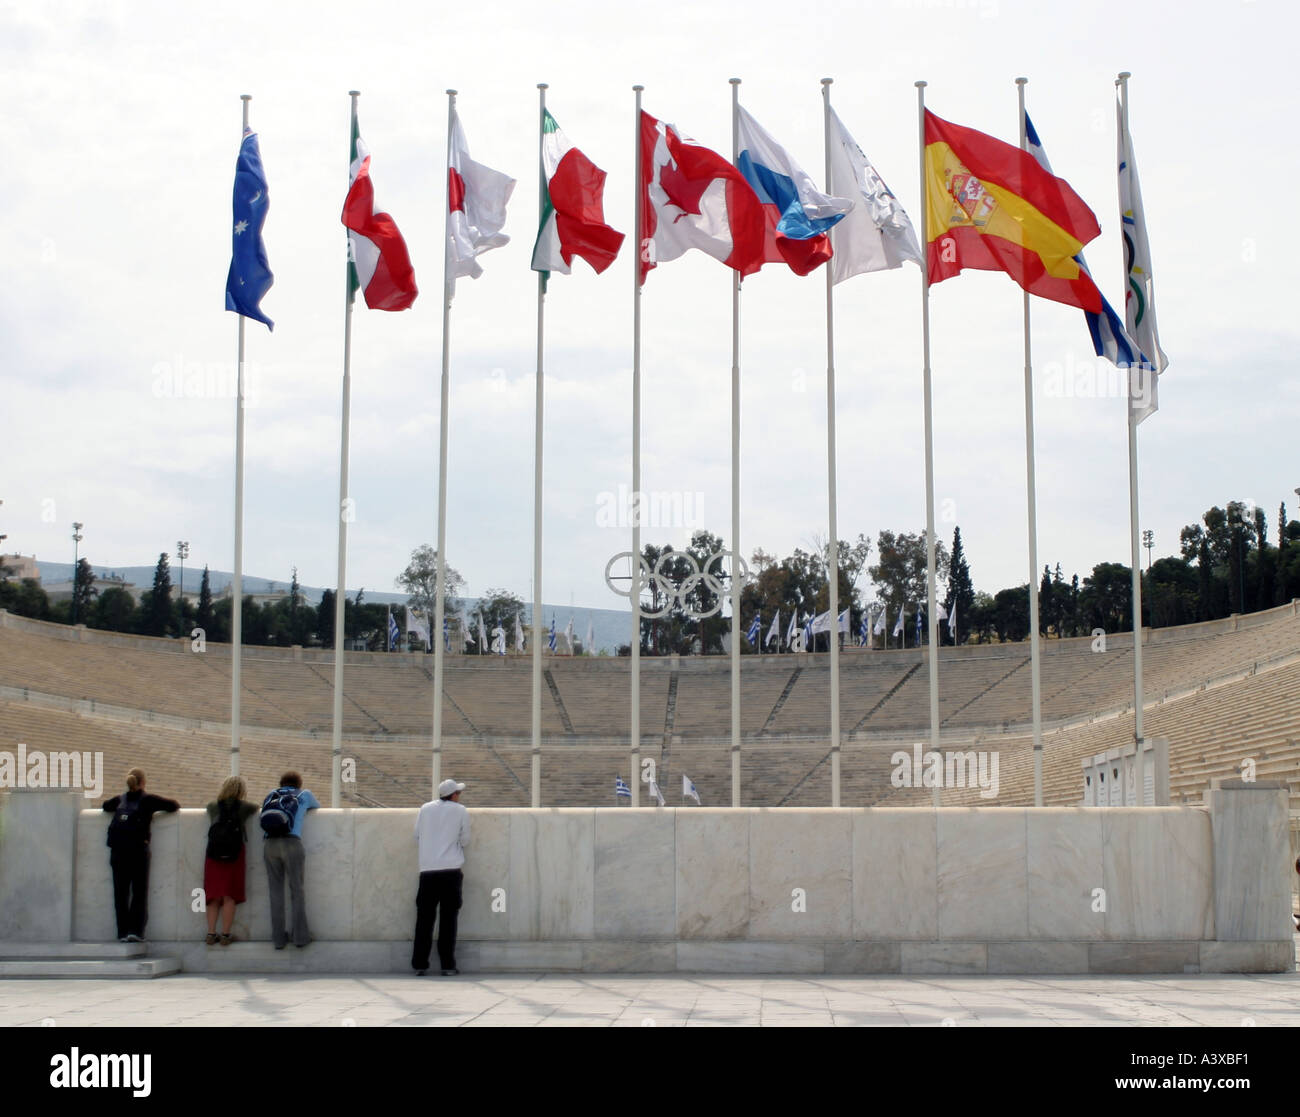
(1171,592)
(25,598)
(1279,566)
(900,571)
(325,619)
(500,607)
(203,617)
(1046,602)
(1265,562)
(980,621)
(420,581)
(961,591)
(1107,597)
(1011,613)
(156,603)
(114,611)
(83,590)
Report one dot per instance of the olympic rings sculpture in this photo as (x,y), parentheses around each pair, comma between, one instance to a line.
(712,578)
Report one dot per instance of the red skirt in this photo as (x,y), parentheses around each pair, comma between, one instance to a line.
(224,878)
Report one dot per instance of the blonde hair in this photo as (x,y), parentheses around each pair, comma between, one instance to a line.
(232,788)
(135,779)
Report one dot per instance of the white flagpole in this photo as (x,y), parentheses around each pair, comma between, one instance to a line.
(440,580)
(536,782)
(833,565)
(636,475)
(345,514)
(1134,541)
(735,481)
(1032,500)
(931,620)
(237,585)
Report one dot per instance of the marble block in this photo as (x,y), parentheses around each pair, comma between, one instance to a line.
(1038,957)
(327,838)
(487,869)
(629,957)
(164,920)
(983,873)
(895,866)
(945,957)
(191,853)
(1064,868)
(864,957)
(808,850)
(551,873)
(1158,873)
(1143,957)
(385,874)
(38,842)
(750,957)
(92,909)
(1252,860)
(634,881)
(712,873)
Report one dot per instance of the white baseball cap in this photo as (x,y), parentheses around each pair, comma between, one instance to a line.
(449,787)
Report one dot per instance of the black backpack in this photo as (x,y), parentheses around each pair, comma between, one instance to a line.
(279,809)
(226,835)
(129,828)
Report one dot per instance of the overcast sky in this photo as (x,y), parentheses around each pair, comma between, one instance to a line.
(122,126)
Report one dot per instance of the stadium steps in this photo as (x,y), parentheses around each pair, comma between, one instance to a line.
(862,723)
(382,727)
(780,701)
(559,702)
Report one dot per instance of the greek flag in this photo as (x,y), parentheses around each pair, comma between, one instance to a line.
(621,790)
(864,628)
(394,633)
(918,626)
(446,635)
(689,790)
(755,626)
(551,639)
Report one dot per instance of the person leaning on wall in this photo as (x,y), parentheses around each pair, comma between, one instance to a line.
(225,863)
(128,843)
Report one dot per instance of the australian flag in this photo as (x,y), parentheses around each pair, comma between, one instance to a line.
(250,274)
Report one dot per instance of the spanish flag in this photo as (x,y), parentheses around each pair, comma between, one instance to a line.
(990,206)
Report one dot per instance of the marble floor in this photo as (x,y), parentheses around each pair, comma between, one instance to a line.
(630,1000)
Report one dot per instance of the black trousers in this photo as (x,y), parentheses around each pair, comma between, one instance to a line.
(130,889)
(439,895)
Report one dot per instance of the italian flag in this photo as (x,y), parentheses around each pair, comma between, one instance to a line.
(378,262)
(573,216)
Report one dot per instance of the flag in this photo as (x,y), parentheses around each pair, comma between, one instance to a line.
(589,642)
(482,631)
(551,641)
(952,621)
(882,619)
(499,640)
(250,275)
(418,623)
(446,635)
(1140,298)
(918,627)
(991,207)
(864,629)
(794,627)
(573,214)
(876,234)
(568,635)
(621,789)
(394,633)
(898,625)
(940,611)
(1109,337)
(797,216)
(808,632)
(654,790)
(519,635)
(774,632)
(689,790)
(466,634)
(755,626)
(378,262)
(476,202)
(843,622)
(692,197)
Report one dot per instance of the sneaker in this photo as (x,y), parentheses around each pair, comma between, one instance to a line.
(134,938)
(450,973)
(421,973)
(123,938)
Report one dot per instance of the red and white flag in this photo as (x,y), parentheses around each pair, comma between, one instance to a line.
(692,197)
(380,264)
(476,200)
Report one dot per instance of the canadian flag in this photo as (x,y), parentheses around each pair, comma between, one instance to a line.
(692,197)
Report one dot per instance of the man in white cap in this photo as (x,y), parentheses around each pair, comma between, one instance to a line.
(442,832)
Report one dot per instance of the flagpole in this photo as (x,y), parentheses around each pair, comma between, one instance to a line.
(536,782)
(237,584)
(635,732)
(735,481)
(440,580)
(833,573)
(345,512)
(1032,500)
(932,621)
(1134,541)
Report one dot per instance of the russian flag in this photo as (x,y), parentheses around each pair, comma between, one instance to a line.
(797,215)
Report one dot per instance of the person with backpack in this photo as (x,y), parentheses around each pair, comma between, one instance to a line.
(282,815)
(224,863)
(128,843)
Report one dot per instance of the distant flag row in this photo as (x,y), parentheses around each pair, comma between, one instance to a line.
(418,624)
(989,206)
(813,625)
(689,790)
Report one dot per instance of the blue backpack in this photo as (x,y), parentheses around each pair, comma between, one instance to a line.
(279,809)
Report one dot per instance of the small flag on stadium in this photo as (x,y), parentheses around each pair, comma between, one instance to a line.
(589,642)
(394,633)
(250,275)
(519,635)
(621,790)
(551,641)
(794,625)
(446,634)
(568,635)
(918,626)
(418,623)
(689,791)
(774,631)
(755,626)
(482,631)
(864,629)
(952,621)
(882,621)
(898,626)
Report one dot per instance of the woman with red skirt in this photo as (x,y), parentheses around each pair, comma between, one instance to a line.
(223,867)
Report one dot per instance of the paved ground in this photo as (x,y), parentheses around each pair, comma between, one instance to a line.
(554,1000)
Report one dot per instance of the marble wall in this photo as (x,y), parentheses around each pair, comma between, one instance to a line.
(902,889)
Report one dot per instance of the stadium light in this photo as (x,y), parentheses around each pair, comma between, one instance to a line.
(76,540)
(182,552)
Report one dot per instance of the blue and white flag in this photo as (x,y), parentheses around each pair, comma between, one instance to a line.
(755,626)
(808,633)
(797,215)
(250,275)
(774,632)
(882,620)
(394,633)
(918,627)
(551,640)
(1110,338)
(898,625)
(446,634)
(689,790)
(864,629)
(621,789)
